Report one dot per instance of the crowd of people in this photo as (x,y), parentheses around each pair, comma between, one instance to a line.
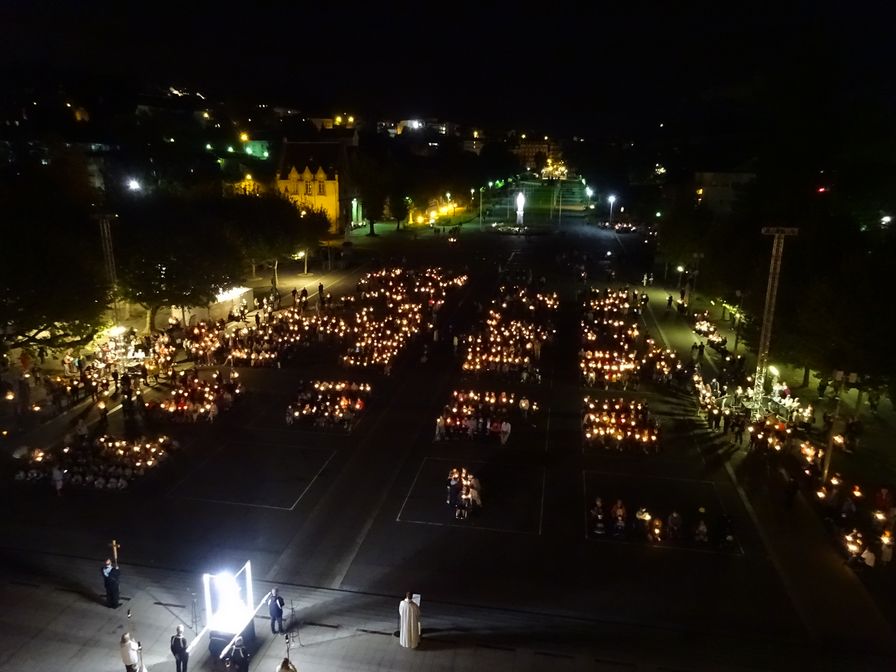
(519,323)
(463,493)
(370,328)
(610,339)
(620,425)
(618,521)
(193,399)
(481,415)
(105,463)
(328,404)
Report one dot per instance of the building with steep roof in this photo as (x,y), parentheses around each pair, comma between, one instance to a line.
(309,176)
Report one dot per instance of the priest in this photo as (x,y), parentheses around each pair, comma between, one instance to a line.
(409,629)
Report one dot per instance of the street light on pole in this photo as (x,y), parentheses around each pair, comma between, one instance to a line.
(480,207)
(680,270)
(612,200)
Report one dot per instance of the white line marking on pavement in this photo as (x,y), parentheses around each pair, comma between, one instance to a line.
(308,487)
(410,490)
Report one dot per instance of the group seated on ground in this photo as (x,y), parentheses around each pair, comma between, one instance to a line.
(106,463)
(328,404)
(616,521)
(620,424)
(481,415)
(193,399)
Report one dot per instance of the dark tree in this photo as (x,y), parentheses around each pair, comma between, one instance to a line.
(174,252)
(53,287)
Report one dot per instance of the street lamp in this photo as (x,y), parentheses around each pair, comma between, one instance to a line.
(612,200)
(480,207)
(134,184)
(589,192)
(680,270)
(302,254)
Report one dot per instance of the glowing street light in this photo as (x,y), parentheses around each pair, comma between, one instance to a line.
(886,219)
(612,199)
(589,192)
(244,137)
(300,255)
(134,184)
(680,270)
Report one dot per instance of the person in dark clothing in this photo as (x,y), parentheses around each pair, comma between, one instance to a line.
(239,657)
(179,646)
(275,608)
(111,576)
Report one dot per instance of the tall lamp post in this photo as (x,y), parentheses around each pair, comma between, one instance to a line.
(612,200)
(480,207)
(109,260)
(771,295)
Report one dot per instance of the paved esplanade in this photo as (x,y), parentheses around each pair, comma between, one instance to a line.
(337,523)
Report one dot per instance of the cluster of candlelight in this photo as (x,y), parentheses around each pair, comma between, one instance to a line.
(770,433)
(704,327)
(517,326)
(397,304)
(463,491)
(391,306)
(110,463)
(619,424)
(193,399)
(471,413)
(328,403)
(662,363)
(610,335)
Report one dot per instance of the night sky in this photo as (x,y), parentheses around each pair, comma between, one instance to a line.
(553,65)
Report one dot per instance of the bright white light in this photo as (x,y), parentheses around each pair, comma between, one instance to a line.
(589,192)
(659,214)
(134,185)
(520,202)
(231,294)
(116,331)
(680,269)
(774,371)
(229,602)
(886,219)
(611,198)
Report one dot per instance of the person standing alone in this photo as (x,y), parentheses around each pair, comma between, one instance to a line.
(275,608)
(111,575)
(409,630)
(179,646)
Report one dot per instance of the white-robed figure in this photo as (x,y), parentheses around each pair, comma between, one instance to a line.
(409,630)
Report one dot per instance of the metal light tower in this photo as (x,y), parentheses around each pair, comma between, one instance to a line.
(768,314)
(109,259)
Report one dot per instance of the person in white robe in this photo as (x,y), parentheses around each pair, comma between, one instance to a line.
(409,629)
